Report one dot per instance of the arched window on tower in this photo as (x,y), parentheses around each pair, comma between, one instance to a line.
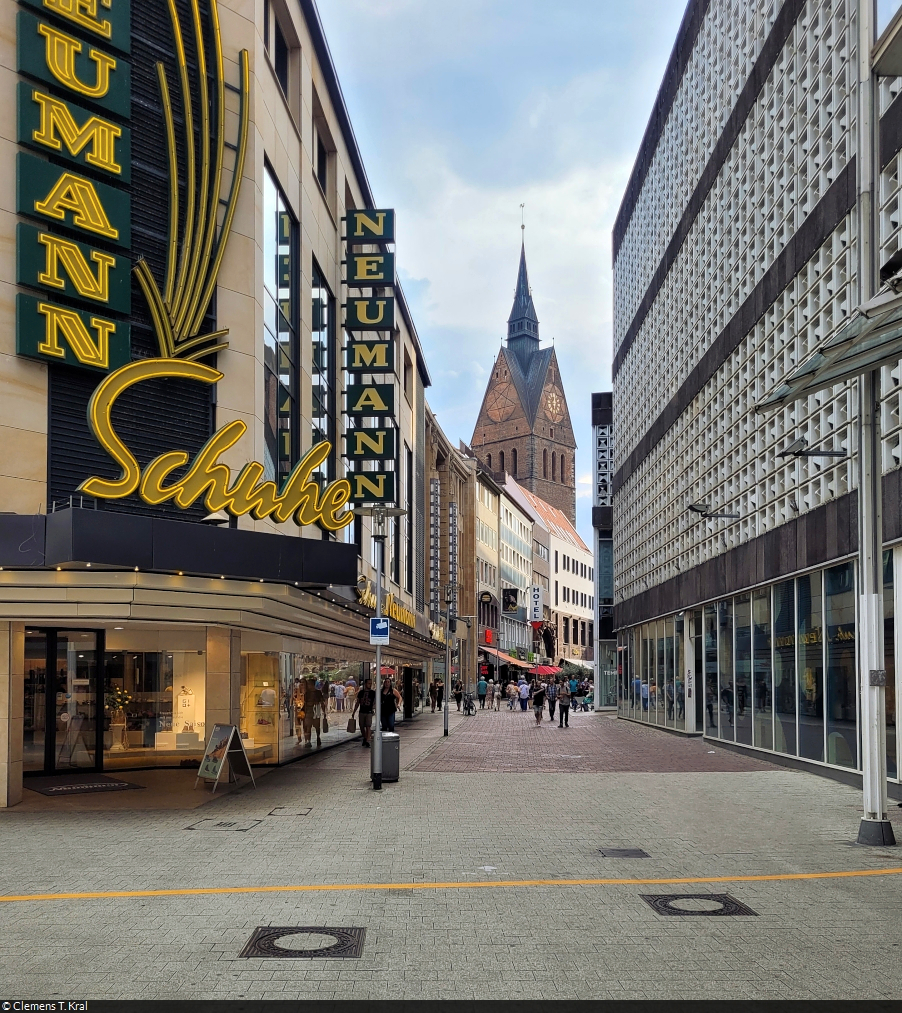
(488,461)
(563,468)
(553,466)
(514,462)
(501,460)
(544,464)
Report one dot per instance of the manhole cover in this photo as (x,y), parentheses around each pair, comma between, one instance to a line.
(240,825)
(309,941)
(624,853)
(287,810)
(696,904)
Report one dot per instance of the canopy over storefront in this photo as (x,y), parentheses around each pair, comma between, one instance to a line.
(505,659)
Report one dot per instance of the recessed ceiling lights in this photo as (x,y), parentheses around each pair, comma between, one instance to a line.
(87,564)
(118,627)
(58,569)
(136,569)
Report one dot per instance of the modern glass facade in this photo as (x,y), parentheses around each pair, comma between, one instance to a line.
(773,668)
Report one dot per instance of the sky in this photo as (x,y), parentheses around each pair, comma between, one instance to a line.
(463,111)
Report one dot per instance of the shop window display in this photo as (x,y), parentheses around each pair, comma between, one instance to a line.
(154,708)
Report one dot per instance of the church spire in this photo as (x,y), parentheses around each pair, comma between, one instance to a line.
(523,322)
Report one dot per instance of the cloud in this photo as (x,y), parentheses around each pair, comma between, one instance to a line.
(465,111)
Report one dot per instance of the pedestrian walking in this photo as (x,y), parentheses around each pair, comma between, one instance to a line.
(551,697)
(439,692)
(538,702)
(390,700)
(524,695)
(563,705)
(579,695)
(497,696)
(339,696)
(482,688)
(432,694)
(458,692)
(513,695)
(366,702)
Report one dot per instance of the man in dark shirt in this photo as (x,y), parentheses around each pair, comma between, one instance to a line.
(366,701)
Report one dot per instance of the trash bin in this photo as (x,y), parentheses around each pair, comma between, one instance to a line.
(391,756)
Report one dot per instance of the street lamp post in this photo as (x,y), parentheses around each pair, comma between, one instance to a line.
(379,514)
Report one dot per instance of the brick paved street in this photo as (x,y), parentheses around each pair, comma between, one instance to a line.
(511,740)
(815,938)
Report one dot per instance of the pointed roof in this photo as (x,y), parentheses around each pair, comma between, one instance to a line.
(523,321)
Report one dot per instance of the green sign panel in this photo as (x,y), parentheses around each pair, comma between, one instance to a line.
(370,356)
(58,58)
(370,314)
(54,333)
(370,444)
(368,270)
(370,225)
(73,133)
(104,22)
(65,267)
(365,399)
(372,486)
(62,197)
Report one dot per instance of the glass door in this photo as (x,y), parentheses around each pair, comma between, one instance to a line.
(62,706)
(35,740)
(76,673)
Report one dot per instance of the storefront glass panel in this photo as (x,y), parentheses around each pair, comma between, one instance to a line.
(889,649)
(785,668)
(762,690)
(725,667)
(842,729)
(712,706)
(669,676)
(660,674)
(743,703)
(811,666)
(154,707)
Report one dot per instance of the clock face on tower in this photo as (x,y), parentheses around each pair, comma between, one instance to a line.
(553,405)
(501,402)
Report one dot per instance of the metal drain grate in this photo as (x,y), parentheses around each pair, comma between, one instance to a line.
(623,853)
(263,943)
(287,810)
(240,825)
(665,904)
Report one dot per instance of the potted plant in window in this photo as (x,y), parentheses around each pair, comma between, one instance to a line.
(116,700)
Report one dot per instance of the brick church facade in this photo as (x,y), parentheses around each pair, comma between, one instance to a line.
(524,427)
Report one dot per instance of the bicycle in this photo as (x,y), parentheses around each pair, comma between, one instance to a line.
(469,704)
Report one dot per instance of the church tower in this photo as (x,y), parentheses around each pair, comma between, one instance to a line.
(524,425)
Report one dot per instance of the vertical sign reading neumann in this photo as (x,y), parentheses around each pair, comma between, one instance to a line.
(452,557)
(73,106)
(371,444)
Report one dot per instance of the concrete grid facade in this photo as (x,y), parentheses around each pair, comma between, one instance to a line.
(735,256)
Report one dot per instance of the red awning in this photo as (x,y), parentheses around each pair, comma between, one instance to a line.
(505,659)
(545,670)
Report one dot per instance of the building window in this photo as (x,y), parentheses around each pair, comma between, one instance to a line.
(408,376)
(501,460)
(563,468)
(322,162)
(323,372)
(555,561)
(582,634)
(280,57)
(408,519)
(566,630)
(489,462)
(280,333)
(544,464)
(556,603)
(514,462)
(553,466)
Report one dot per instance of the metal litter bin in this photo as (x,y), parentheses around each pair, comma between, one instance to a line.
(391,756)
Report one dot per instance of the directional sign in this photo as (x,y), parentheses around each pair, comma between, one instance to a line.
(379,631)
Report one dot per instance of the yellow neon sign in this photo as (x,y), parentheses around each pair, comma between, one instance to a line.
(300,499)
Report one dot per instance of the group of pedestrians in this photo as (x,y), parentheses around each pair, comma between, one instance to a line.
(557,694)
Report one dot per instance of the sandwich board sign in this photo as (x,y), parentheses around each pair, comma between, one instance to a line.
(379,631)
(224,744)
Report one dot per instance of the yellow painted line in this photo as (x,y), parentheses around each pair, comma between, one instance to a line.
(488,884)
